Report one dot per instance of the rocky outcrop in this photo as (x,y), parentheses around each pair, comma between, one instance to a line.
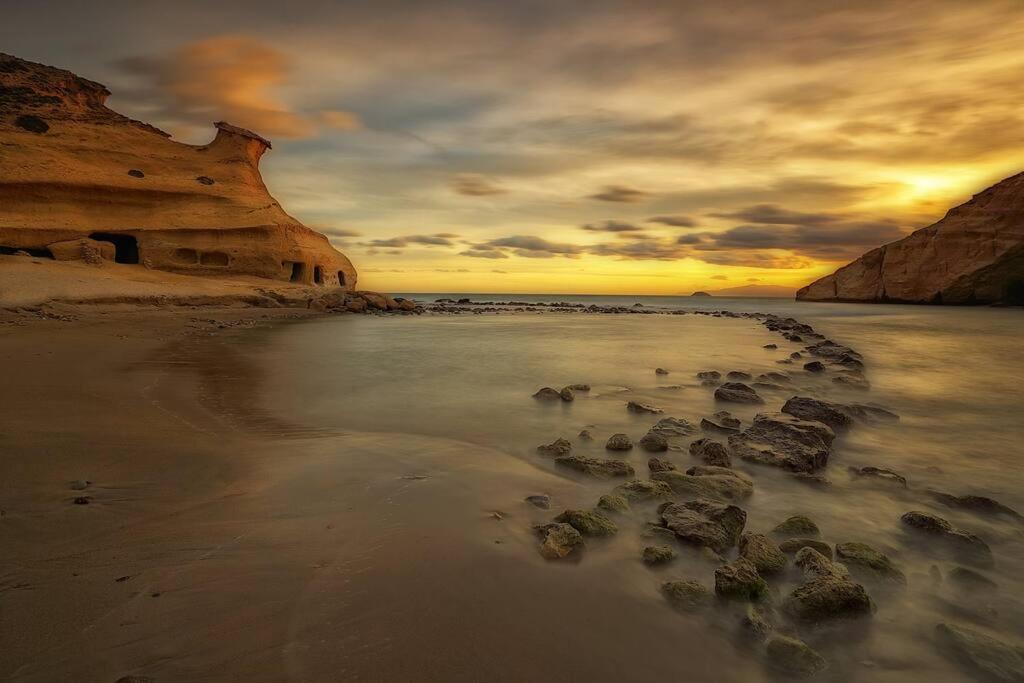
(974,255)
(79,181)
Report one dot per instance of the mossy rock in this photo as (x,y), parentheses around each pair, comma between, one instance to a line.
(791,546)
(611,502)
(739,580)
(793,657)
(862,557)
(658,554)
(686,595)
(763,553)
(588,522)
(797,525)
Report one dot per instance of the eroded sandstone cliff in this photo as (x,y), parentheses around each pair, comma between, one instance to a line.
(80,181)
(974,255)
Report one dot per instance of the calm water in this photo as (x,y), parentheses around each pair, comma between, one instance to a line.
(448,398)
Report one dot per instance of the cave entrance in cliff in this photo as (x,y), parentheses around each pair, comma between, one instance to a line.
(318,275)
(126,247)
(298,271)
(341,278)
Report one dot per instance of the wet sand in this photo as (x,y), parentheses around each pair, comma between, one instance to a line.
(227,536)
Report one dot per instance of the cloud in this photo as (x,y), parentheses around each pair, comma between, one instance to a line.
(612,226)
(774,214)
(438,239)
(719,277)
(674,221)
(531,246)
(339,232)
(620,193)
(500,272)
(484,253)
(231,78)
(474,185)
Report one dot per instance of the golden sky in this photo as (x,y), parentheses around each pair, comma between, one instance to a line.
(578,146)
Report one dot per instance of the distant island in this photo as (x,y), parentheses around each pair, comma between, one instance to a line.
(766,291)
(700,294)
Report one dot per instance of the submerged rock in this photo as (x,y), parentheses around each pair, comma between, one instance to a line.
(785,441)
(579,387)
(558,540)
(797,525)
(595,467)
(740,580)
(619,442)
(710,452)
(980,653)
(814,366)
(827,593)
(704,523)
(793,657)
(968,578)
(853,381)
(880,473)
(862,557)
(686,595)
(638,407)
(756,622)
(660,371)
(658,554)
(737,392)
(709,375)
(739,376)
(721,422)
(555,448)
(762,553)
(653,443)
(973,503)
(588,522)
(585,435)
(567,394)
(540,500)
(968,547)
(825,412)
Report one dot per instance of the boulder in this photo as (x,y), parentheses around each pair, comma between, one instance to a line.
(567,395)
(659,465)
(619,442)
(968,547)
(791,546)
(970,579)
(555,448)
(595,467)
(638,407)
(611,502)
(548,394)
(84,249)
(374,300)
(756,622)
(807,408)
(739,580)
(737,392)
(981,654)
(660,371)
(687,595)
(827,593)
(865,560)
(585,435)
(815,366)
(638,490)
(657,554)
(579,387)
(797,525)
(721,422)
(710,452)
(709,375)
(588,522)
(558,540)
(738,376)
(669,427)
(653,443)
(792,657)
(759,550)
(717,483)
(782,440)
(356,305)
(704,523)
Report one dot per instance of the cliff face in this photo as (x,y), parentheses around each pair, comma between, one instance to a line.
(974,255)
(78,180)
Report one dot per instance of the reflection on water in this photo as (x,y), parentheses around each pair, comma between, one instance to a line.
(954,375)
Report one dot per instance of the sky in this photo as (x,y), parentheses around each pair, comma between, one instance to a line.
(578,146)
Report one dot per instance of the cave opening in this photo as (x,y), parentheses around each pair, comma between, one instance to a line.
(298,271)
(126,247)
(341,278)
(318,275)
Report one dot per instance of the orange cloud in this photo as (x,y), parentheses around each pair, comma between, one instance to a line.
(233,78)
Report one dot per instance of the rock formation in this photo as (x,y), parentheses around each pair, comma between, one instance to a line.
(80,181)
(974,255)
